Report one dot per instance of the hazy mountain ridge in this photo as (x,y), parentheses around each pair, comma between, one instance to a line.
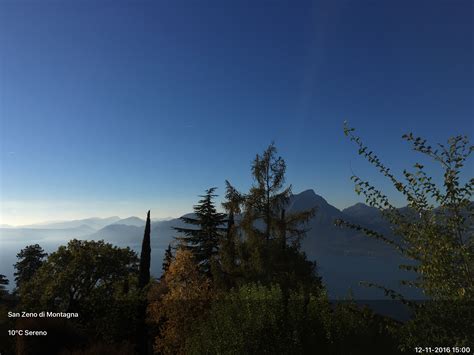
(344,257)
(29,235)
(93,222)
(131,221)
(322,237)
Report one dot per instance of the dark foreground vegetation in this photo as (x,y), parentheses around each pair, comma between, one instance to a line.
(238,283)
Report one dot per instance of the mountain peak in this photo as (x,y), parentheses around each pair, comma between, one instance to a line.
(307,193)
(308,199)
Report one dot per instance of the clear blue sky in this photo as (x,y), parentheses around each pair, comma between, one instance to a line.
(111,108)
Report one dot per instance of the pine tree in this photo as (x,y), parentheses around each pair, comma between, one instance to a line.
(203,241)
(145,256)
(30,260)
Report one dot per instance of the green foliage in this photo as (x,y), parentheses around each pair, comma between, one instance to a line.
(95,279)
(258,319)
(435,231)
(438,323)
(29,260)
(246,321)
(203,241)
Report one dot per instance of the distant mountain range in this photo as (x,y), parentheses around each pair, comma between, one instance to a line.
(344,257)
(131,221)
(322,237)
(94,223)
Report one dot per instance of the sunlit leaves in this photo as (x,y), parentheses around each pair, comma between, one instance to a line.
(435,231)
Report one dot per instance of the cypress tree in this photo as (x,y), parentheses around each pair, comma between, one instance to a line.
(145,256)
(143,345)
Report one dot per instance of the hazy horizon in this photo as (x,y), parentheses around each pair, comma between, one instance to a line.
(132,214)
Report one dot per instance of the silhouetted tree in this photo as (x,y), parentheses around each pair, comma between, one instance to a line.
(226,271)
(203,241)
(30,259)
(145,256)
(78,273)
(270,249)
(3,282)
(143,281)
(87,277)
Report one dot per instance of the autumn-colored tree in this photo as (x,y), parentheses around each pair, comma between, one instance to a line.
(270,248)
(436,232)
(179,309)
(167,259)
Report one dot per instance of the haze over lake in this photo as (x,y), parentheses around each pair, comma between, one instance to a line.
(344,258)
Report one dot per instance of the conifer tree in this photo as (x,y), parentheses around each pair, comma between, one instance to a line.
(270,250)
(203,241)
(228,250)
(30,259)
(143,280)
(145,256)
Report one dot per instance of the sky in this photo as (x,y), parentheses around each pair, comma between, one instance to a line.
(117,107)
